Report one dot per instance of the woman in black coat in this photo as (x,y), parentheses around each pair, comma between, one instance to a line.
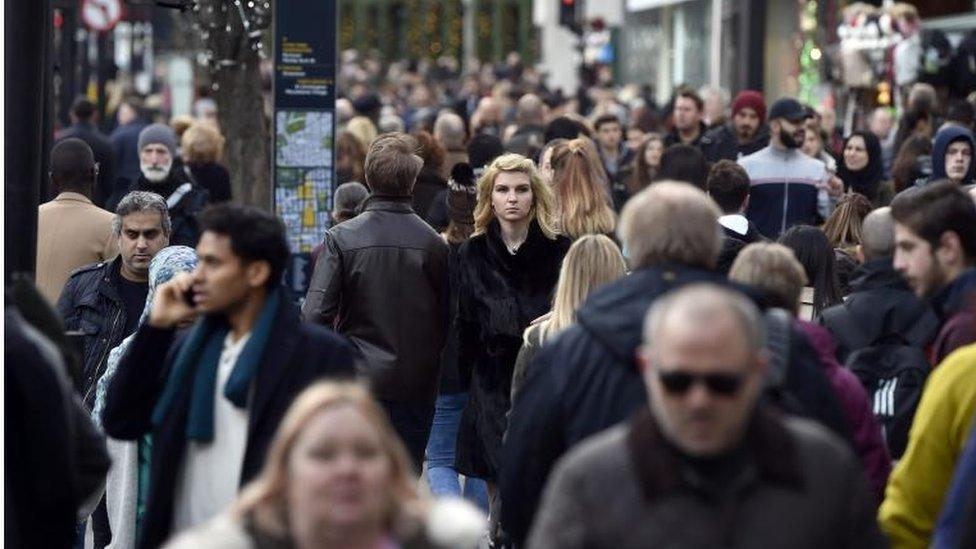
(507,274)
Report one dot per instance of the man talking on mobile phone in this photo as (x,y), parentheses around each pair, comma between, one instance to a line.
(213,396)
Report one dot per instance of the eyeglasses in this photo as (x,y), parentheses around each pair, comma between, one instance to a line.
(679,383)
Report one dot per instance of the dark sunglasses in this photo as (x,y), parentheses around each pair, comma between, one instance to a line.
(678,383)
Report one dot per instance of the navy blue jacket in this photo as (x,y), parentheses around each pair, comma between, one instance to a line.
(784,189)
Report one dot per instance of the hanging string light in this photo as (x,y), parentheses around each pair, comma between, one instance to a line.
(229,30)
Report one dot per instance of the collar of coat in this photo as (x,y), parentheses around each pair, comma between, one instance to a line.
(772,456)
(389,203)
(531,257)
(72,196)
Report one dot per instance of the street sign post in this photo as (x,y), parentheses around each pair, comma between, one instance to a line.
(304,126)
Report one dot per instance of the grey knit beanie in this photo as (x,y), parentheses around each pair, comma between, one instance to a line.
(158,133)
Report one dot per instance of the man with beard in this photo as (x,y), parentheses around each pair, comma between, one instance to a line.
(163,174)
(935,250)
(745,134)
(788,187)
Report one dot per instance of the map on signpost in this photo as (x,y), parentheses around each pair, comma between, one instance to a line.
(304,138)
(303,175)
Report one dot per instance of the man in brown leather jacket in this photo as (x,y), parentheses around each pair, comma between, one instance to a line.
(381,280)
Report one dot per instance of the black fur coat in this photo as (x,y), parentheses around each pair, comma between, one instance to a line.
(500,294)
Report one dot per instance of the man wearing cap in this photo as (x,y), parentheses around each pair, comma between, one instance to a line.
(745,134)
(788,187)
(162,173)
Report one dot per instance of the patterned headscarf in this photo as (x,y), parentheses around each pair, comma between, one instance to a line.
(168,263)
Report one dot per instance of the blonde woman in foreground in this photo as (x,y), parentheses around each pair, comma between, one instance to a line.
(592,261)
(337,476)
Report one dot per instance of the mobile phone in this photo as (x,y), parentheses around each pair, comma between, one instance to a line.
(188,298)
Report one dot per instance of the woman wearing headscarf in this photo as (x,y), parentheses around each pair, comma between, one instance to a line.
(127,482)
(861,168)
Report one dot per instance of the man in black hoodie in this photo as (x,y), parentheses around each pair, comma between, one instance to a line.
(162,173)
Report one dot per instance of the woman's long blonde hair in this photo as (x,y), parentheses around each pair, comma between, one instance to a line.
(265,498)
(542,199)
(582,190)
(592,261)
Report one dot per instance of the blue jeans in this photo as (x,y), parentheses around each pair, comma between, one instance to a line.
(441,476)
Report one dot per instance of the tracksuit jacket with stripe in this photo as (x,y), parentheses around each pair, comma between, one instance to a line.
(787,188)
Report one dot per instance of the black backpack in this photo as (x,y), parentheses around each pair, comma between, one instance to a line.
(893,369)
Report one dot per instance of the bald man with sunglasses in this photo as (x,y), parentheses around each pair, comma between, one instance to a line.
(708,464)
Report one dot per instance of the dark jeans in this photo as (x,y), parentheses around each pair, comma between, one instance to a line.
(412,421)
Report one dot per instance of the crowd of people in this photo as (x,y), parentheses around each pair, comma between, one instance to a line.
(598,322)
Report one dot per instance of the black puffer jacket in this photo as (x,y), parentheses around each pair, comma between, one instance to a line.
(500,294)
(586,380)
(382,281)
(90,304)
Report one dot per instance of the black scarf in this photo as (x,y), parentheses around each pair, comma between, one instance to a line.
(866,180)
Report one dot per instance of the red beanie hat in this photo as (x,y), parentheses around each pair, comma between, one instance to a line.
(752,99)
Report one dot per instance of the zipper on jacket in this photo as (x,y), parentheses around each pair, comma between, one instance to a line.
(786,204)
(98,365)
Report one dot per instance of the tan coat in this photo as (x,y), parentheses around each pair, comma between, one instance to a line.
(71,233)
